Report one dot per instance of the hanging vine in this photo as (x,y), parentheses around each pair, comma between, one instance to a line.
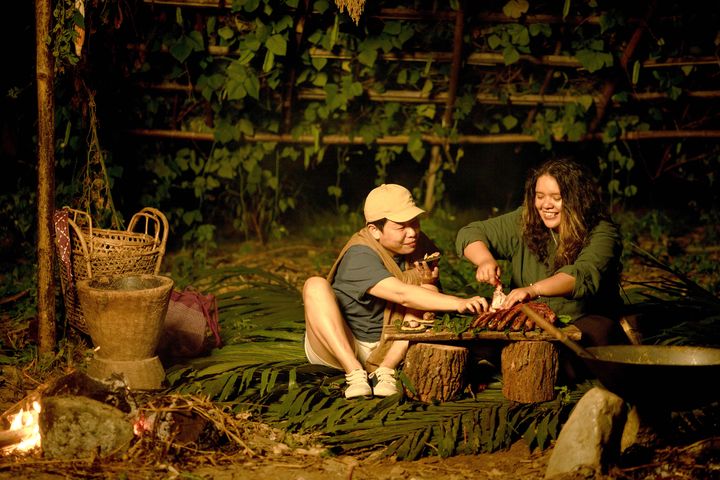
(68,33)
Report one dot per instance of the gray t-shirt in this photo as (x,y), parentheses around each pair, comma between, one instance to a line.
(359,270)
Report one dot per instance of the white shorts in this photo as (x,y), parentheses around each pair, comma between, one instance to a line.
(362,352)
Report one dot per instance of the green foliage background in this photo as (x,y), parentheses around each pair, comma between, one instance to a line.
(266,68)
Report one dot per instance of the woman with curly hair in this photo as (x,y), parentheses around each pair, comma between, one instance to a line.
(563,249)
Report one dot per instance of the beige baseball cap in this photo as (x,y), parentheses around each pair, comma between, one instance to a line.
(391,201)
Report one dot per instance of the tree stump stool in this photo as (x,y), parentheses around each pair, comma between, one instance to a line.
(436,371)
(529,371)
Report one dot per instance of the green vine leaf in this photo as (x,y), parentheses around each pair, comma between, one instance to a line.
(224,132)
(235,89)
(576,131)
(594,60)
(540,29)
(277,45)
(516,8)
(252,85)
(509,122)
(368,57)
(245,127)
(226,33)
(181,50)
(415,146)
(585,101)
(510,55)
(426,110)
(318,62)
(269,61)
(320,79)
(246,5)
(519,35)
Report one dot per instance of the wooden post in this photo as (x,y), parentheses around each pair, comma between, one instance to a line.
(46,178)
(529,371)
(437,371)
(436,157)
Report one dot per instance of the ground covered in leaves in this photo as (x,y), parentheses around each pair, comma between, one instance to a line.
(240,446)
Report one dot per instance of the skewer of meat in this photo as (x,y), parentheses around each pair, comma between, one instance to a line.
(519,321)
(481,321)
(543,310)
(508,317)
(492,324)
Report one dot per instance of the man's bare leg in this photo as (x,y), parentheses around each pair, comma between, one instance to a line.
(326,329)
(395,354)
(397,351)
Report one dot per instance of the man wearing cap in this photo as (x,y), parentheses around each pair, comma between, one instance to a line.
(378,278)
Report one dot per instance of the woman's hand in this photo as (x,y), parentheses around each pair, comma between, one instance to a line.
(519,295)
(472,305)
(488,271)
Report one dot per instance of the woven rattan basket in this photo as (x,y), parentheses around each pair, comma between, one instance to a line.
(96,251)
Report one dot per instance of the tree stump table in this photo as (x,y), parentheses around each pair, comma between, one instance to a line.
(436,365)
(436,371)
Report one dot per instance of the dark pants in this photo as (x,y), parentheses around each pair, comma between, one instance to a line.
(597,331)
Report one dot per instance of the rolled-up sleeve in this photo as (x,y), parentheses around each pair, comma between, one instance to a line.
(597,260)
(499,234)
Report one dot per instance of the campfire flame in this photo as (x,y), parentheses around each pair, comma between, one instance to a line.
(25,428)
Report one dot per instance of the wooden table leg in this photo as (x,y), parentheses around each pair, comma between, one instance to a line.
(529,371)
(436,371)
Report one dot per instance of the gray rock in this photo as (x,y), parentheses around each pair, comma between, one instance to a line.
(80,427)
(590,436)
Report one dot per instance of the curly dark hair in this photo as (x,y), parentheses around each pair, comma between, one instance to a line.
(582,209)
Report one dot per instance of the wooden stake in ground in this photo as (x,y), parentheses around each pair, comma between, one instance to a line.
(46,178)
(436,371)
(529,371)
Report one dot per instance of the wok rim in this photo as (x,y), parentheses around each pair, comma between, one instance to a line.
(657,355)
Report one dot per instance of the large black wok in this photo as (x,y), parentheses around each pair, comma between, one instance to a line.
(658,375)
(661,376)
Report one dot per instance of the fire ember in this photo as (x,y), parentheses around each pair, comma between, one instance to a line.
(24,432)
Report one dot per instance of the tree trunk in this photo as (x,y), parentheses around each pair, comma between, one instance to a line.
(46,178)
(437,371)
(529,371)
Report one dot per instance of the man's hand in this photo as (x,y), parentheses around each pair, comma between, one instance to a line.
(472,305)
(488,272)
(428,275)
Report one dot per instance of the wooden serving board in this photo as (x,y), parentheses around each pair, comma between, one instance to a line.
(392,332)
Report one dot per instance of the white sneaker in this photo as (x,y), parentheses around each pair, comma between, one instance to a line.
(384,380)
(358,385)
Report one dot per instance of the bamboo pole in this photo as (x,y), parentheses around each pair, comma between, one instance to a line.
(496,139)
(414,96)
(294,57)
(403,13)
(435,153)
(46,178)
(488,59)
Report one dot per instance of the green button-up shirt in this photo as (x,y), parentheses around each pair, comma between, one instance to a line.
(596,270)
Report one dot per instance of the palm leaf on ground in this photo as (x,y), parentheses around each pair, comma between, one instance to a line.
(410,429)
(674,309)
(262,367)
